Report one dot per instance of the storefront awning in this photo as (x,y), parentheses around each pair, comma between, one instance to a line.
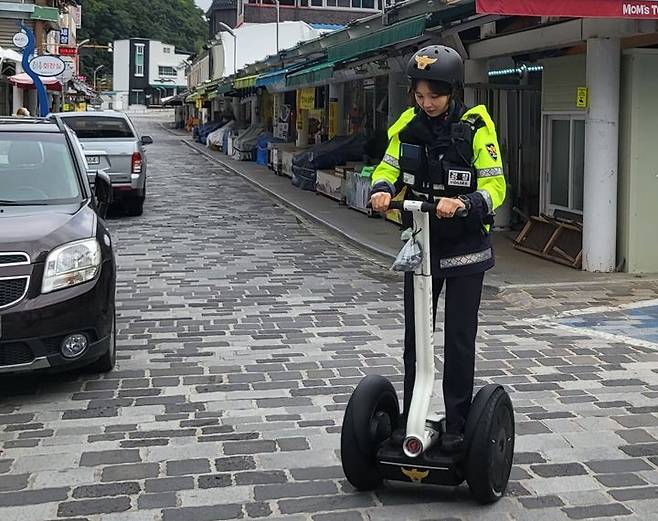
(246,82)
(23,81)
(224,88)
(271,77)
(393,34)
(192,97)
(314,74)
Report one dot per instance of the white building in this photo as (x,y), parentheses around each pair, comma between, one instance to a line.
(145,72)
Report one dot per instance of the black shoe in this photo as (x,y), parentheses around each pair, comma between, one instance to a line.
(452,443)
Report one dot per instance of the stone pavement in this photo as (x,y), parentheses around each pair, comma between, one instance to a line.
(243,329)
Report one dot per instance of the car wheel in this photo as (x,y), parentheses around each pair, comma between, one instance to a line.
(107,362)
(135,207)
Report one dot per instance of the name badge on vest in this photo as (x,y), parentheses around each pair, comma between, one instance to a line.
(460,178)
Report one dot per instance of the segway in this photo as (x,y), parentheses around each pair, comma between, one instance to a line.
(368,452)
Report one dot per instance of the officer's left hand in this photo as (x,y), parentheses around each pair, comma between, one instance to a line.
(447,207)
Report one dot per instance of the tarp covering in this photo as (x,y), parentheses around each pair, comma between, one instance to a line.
(571,8)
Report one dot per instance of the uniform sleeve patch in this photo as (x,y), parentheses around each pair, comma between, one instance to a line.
(493,151)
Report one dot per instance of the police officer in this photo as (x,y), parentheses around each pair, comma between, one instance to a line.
(463,170)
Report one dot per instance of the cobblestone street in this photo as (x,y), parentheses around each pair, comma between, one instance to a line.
(242,331)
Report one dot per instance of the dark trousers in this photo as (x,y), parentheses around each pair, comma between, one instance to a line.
(461,323)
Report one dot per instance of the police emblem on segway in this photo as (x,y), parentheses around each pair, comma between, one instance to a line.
(415,475)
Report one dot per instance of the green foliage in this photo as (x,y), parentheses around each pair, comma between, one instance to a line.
(175,22)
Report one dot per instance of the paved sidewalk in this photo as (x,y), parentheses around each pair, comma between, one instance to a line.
(513,268)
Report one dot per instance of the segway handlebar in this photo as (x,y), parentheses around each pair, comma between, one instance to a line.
(422,206)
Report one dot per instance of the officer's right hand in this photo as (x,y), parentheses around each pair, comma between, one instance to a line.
(380,202)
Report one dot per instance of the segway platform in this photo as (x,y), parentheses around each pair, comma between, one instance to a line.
(432,467)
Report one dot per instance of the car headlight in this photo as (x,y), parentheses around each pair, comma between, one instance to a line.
(71,264)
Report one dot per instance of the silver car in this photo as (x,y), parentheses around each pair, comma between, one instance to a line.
(111,143)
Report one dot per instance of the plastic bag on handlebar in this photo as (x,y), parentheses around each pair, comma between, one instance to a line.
(409,258)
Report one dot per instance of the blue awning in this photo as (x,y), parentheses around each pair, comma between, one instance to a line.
(271,77)
(327,27)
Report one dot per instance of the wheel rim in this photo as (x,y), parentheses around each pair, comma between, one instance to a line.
(502,441)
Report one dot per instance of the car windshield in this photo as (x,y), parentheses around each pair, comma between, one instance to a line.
(37,168)
(99,127)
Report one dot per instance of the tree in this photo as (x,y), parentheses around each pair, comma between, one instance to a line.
(176,22)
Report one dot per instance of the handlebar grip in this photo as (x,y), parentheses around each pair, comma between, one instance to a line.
(396,205)
(461,212)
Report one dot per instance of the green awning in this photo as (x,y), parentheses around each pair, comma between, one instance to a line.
(314,74)
(393,34)
(192,97)
(224,88)
(246,82)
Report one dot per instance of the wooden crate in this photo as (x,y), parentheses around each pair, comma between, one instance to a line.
(557,240)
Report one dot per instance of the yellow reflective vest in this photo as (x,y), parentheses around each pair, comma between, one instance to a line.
(486,154)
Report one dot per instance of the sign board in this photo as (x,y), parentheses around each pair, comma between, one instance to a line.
(77,15)
(67,51)
(47,65)
(20,40)
(571,8)
(307,99)
(64,36)
(581,98)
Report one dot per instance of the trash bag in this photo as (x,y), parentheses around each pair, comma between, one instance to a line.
(409,258)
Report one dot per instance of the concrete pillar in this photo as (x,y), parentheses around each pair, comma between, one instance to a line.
(254,110)
(476,71)
(601,155)
(302,129)
(337,107)
(398,95)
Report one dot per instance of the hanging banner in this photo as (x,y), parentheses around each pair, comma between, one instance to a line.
(571,8)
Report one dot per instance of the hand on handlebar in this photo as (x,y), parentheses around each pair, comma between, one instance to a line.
(447,207)
(380,202)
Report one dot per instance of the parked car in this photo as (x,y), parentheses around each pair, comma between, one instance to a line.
(111,143)
(57,265)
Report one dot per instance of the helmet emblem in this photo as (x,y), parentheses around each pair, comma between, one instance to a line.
(422,62)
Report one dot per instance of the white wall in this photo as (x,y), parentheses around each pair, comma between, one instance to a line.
(158,58)
(121,67)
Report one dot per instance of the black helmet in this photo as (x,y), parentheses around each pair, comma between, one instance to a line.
(437,63)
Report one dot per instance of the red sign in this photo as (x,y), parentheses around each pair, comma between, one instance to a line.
(571,8)
(67,51)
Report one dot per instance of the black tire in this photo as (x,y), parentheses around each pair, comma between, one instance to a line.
(372,411)
(135,206)
(107,362)
(489,459)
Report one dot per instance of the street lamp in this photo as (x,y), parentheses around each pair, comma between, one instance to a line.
(235,45)
(277,25)
(96,71)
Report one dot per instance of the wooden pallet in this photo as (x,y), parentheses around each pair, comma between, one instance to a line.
(557,240)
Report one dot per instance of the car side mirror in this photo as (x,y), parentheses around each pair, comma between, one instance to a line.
(147,140)
(103,192)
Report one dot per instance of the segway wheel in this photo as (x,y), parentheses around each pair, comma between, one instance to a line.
(489,460)
(371,413)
